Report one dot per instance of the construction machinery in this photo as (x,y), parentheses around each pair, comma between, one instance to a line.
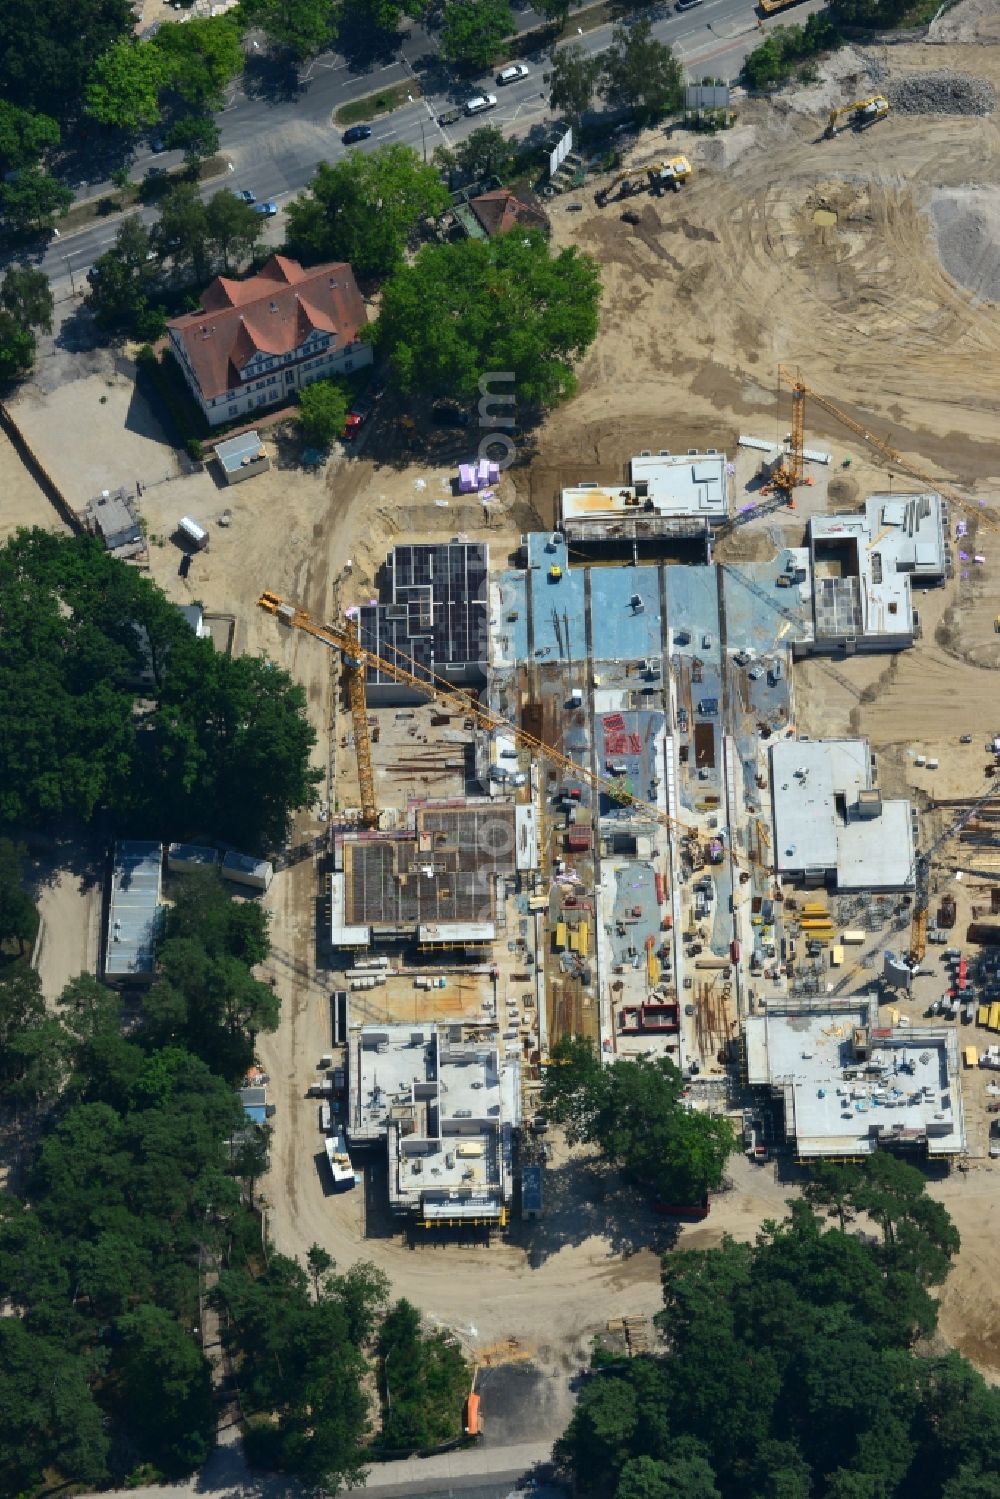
(791,471)
(895,460)
(657,176)
(860,114)
(359,658)
(359,719)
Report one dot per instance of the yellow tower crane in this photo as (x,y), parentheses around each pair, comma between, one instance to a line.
(888,454)
(466,703)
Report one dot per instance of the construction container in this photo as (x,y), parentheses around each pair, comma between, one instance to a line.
(970,1056)
(470,1148)
(994,1020)
(853,938)
(193,533)
(660,890)
(815,908)
(472,1426)
(578,840)
(559,936)
(836,956)
(983,1015)
(583,931)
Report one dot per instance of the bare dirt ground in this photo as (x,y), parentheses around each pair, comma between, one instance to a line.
(69,907)
(23,502)
(702,300)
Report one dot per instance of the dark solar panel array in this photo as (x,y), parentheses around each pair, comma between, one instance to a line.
(435,609)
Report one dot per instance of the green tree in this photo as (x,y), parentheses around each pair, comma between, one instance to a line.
(233,228)
(202,57)
(636,1113)
(124,86)
(51,1421)
(572,79)
(33,200)
(323,410)
(504,304)
(123,284)
(641,74)
(301,27)
(27,296)
(18,917)
(48,47)
(382,15)
(166,1390)
(485,153)
(364,209)
(24,137)
(556,11)
(472,31)
(299,1368)
(181,233)
(424,1380)
(197,136)
(320,1263)
(675,1478)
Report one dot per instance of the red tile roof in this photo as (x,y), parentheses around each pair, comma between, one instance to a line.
(270,313)
(499,211)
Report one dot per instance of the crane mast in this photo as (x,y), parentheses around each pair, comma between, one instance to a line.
(459,701)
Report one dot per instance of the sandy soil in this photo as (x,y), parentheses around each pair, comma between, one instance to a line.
(23,502)
(69,906)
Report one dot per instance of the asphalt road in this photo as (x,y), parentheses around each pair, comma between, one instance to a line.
(273,142)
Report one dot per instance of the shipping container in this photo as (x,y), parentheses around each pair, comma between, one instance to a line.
(970,1056)
(584,933)
(192,532)
(660,889)
(853,938)
(471,1148)
(983,1015)
(559,936)
(472,1425)
(836,956)
(578,840)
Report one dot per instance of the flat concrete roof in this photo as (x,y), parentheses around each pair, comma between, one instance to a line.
(134,911)
(905,1091)
(445,1102)
(817,826)
(662,485)
(910,531)
(857,589)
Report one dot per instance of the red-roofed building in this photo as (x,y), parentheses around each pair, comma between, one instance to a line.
(255,342)
(500,211)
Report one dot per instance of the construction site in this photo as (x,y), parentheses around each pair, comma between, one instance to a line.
(686,741)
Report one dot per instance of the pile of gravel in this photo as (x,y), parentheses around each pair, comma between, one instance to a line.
(967,230)
(941,94)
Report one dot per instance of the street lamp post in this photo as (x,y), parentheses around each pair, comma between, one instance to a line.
(69,265)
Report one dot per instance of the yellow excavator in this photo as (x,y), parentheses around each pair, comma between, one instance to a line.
(657,177)
(860,114)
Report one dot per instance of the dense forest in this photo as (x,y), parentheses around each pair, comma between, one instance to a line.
(799,1365)
(134,1169)
(111,703)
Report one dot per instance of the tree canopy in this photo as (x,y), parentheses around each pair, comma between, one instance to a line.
(301,27)
(210,743)
(424,1380)
(25,305)
(124,85)
(572,79)
(635,1112)
(790,1371)
(504,304)
(640,73)
(364,209)
(323,408)
(473,30)
(485,153)
(48,48)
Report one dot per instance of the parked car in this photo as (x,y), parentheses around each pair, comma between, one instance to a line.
(359,413)
(268,209)
(450,414)
(157,145)
(683,5)
(355,134)
(450,117)
(244,194)
(512,73)
(479,103)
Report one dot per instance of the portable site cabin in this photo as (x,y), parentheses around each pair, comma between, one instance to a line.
(196,536)
(244,870)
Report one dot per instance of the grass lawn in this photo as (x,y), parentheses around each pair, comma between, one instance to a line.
(382,103)
(120,199)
